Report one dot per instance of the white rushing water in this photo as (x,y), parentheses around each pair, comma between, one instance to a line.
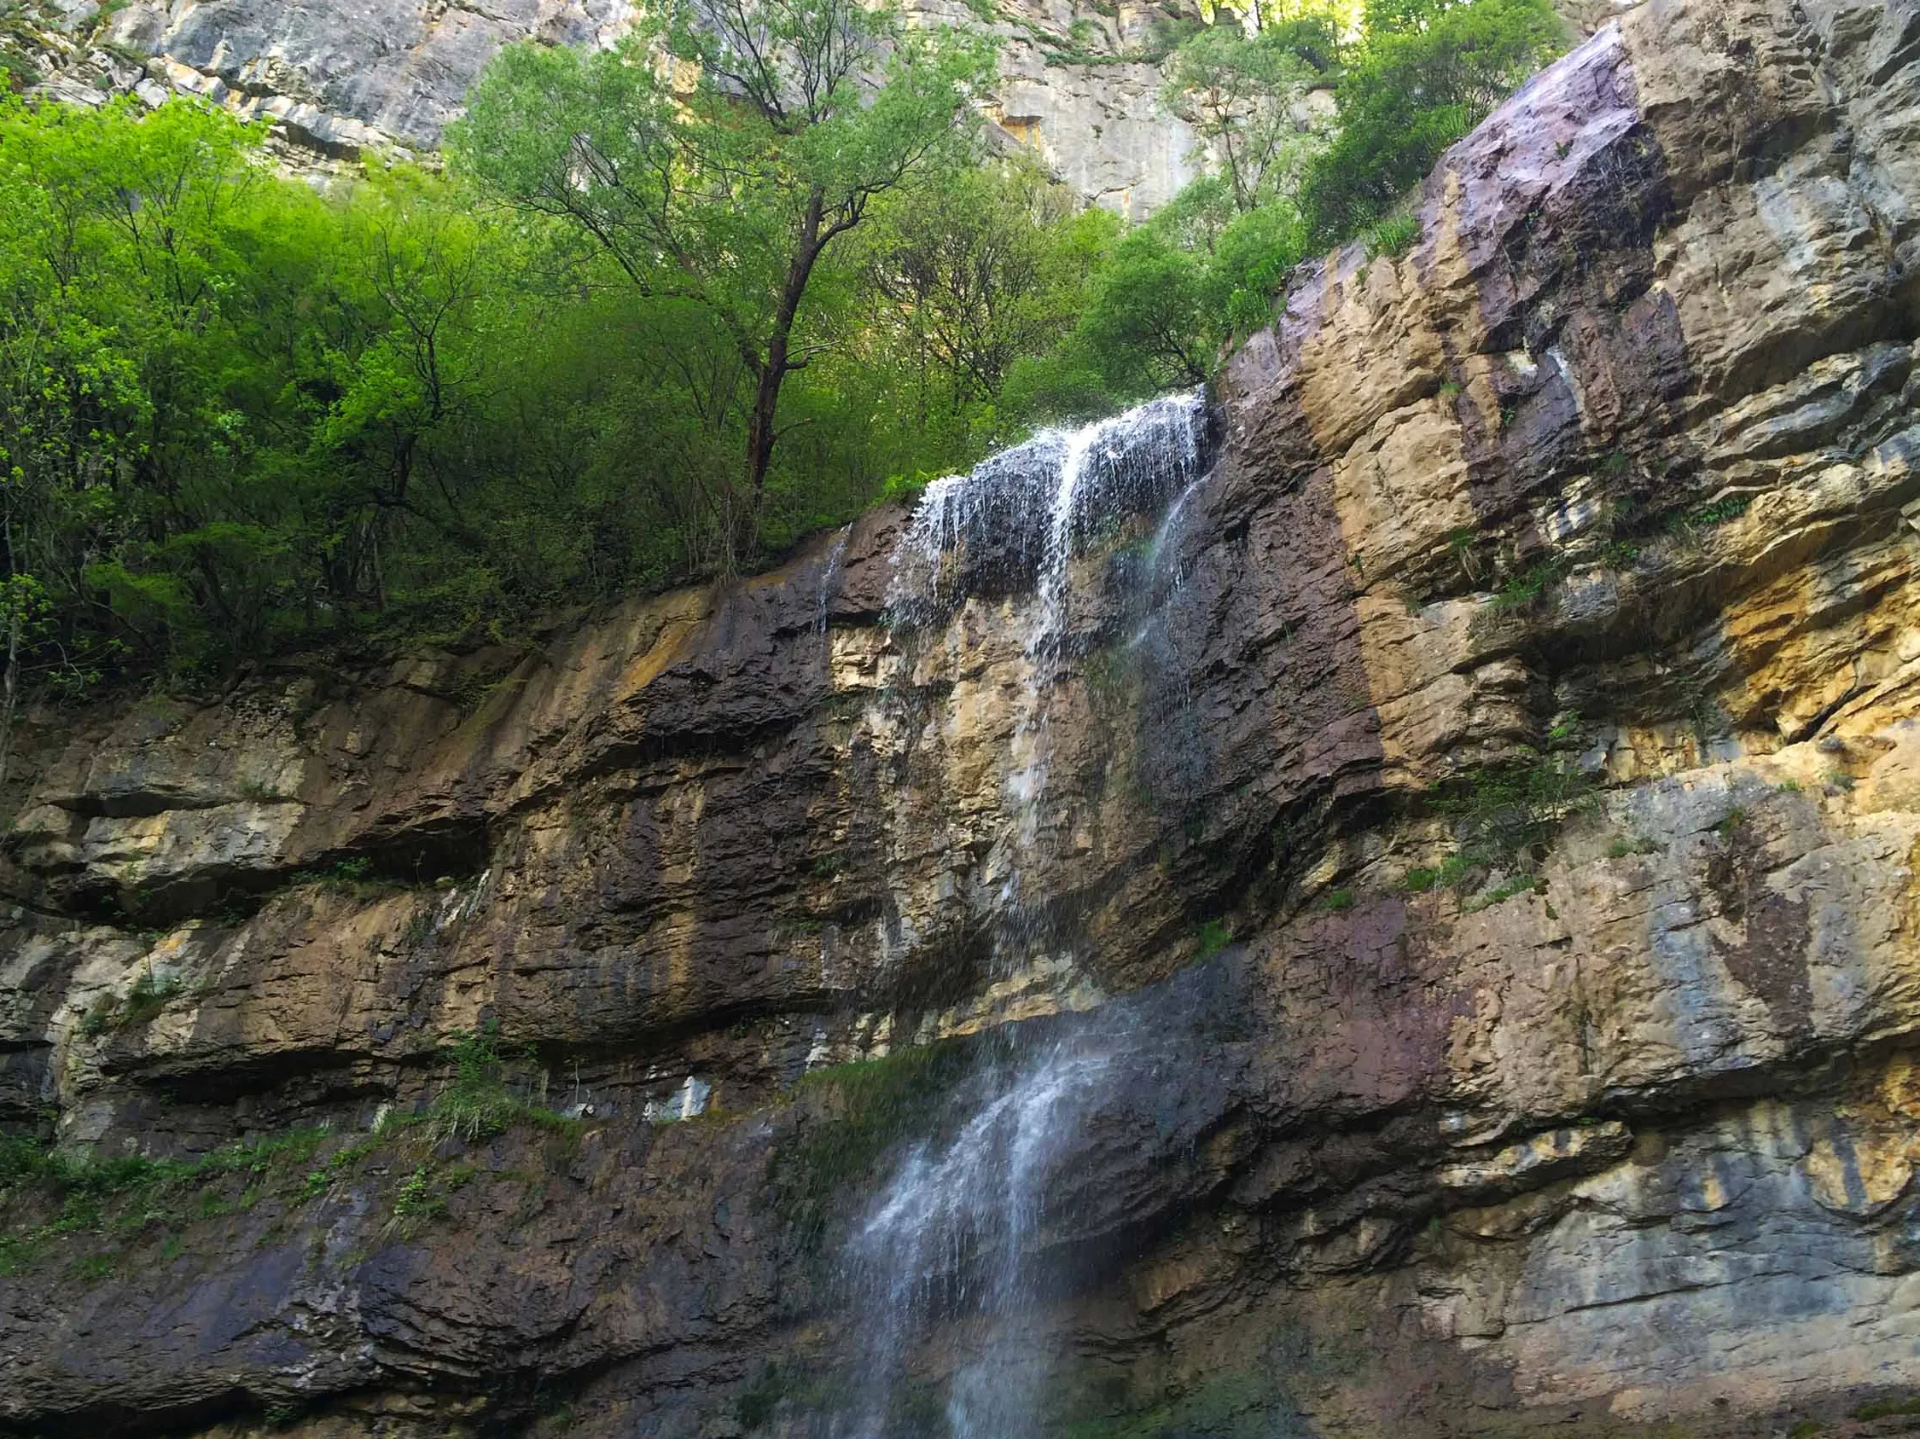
(1028,510)
(954,1232)
(950,1233)
(1031,510)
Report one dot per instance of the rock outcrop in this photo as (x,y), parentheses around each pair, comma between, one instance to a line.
(1079,86)
(1500,848)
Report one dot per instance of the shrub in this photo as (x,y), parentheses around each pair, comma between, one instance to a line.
(477,1102)
(1415,91)
(1393,237)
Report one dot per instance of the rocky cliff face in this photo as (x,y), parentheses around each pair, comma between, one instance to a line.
(1080,85)
(1080,82)
(1489,828)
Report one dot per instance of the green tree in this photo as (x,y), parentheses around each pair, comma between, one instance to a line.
(730,196)
(1428,75)
(114,247)
(974,270)
(1247,99)
(1148,323)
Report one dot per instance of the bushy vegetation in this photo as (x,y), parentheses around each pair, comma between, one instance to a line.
(667,308)
(48,1194)
(1315,131)
(1503,816)
(477,1101)
(859,1113)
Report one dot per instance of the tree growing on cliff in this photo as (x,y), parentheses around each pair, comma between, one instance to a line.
(973,271)
(1429,72)
(1250,99)
(717,160)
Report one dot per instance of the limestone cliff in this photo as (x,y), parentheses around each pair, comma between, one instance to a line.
(1609,481)
(1079,83)
(1080,79)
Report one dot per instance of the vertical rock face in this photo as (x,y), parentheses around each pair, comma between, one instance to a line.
(1080,83)
(1492,817)
(1079,87)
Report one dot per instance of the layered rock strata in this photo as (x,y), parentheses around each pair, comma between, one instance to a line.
(1080,87)
(1596,508)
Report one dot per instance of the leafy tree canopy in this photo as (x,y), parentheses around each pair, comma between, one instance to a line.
(673,306)
(730,196)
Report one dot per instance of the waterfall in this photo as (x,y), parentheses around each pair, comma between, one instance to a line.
(1018,520)
(1019,517)
(954,1232)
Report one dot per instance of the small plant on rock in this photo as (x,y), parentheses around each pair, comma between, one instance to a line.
(1393,237)
(416,1199)
(477,1102)
(1504,815)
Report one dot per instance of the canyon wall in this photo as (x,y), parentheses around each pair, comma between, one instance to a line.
(1491,826)
(1079,79)
(1079,84)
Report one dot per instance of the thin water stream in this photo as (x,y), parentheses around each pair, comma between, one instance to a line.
(954,1230)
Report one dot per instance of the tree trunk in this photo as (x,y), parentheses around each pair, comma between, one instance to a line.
(743,511)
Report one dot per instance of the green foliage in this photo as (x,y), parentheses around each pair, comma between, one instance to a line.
(636,334)
(350,875)
(1504,810)
(794,1388)
(1528,585)
(1243,96)
(1455,870)
(728,203)
(121,1196)
(1502,816)
(1252,257)
(237,416)
(1731,822)
(1638,844)
(1886,1408)
(47,1194)
(416,1199)
(477,1101)
(1284,178)
(861,1112)
(1429,73)
(974,271)
(1393,237)
(1703,517)
(1523,883)
(1214,936)
(1147,323)
(1337,901)
(149,994)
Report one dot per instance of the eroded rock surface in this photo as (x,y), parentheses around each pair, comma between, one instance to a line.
(1079,85)
(1079,82)
(1612,476)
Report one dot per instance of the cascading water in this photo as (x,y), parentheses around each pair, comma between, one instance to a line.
(955,1231)
(1020,518)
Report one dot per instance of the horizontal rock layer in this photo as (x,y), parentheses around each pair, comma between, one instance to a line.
(1612,475)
